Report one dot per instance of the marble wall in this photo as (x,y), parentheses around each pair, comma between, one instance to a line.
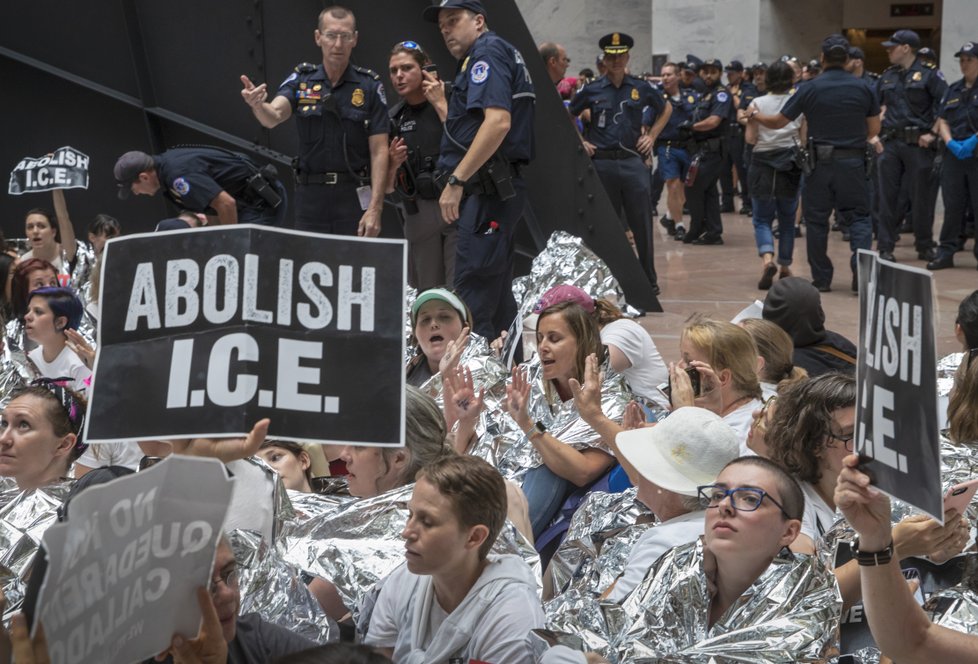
(959,24)
(797,28)
(725,29)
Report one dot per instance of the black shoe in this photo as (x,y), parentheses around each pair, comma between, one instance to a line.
(776,232)
(747,211)
(680,233)
(767,277)
(941,262)
(927,254)
(706,238)
(822,288)
(837,226)
(845,235)
(656,290)
(855,284)
(798,232)
(727,208)
(685,210)
(668,224)
(888,256)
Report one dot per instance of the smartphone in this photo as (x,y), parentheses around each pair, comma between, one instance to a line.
(959,496)
(694,378)
(431,69)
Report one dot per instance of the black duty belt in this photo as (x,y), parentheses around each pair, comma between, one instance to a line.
(672,144)
(905,134)
(326,178)
(710,145)
(613,154)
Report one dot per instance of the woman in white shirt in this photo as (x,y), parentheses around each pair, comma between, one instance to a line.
(51,311)
(774,174)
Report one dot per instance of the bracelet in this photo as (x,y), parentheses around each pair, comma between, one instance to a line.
(872,558)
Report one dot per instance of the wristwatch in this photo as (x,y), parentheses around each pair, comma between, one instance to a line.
(872,558)
(538,429)
(454,180)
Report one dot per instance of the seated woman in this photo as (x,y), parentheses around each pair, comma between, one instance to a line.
(962,415)
(566,336)
(725,357)
(50,312)
(774,348)
(438,317)
(30,275)
(291,461)
(811,432)
(40,434)
(451,599)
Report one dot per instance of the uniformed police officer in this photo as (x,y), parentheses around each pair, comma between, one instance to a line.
(341,115)
(857,67)
(910,92)
(488,137)
(958,126)
(711,122)
(742,92)
(671,148)
(618,142)
(842,114)
(201,179)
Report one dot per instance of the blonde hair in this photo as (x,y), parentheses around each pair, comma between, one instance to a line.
(776,347)
(728,347)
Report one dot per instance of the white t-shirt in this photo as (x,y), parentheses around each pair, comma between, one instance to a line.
(768,390)
(112,454)
(66,364)
(818,517)
(682,529)
(490,625)
(57,262)
(740,421)
(647,370)
(776,139)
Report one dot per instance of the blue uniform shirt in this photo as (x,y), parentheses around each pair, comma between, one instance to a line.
(356,107)
(912,96)
(715,101)
(748,93)
(493,74)
(960,110)
(193,177)
(682,110)
(836,105)
(617,113)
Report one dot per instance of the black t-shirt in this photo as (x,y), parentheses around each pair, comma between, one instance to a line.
(193,177)
(258,641)
(836,105)
(421,130)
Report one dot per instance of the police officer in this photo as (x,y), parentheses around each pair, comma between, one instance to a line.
(671,147)
(488,137)
(202,179)
(341,115)
(958,126)
(416,127)
(742,91)
(711,122)
(857,67)
(618,142)
(842,113)
(691,74)
(910,92)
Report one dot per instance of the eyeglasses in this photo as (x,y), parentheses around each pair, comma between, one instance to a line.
(743,498)
(345,37)
(845,440)
(228,576)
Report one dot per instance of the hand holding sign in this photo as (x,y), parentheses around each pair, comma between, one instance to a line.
(225,449)
(27,649)
(65,168)
(866,508)
(209,647)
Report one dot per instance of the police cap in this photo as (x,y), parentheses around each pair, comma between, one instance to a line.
(616,43)
(713,62)
(908,37)
(969,48)
(692,62)
(127,170)
(735,65)
(856,53)
(431,13)
(834,43)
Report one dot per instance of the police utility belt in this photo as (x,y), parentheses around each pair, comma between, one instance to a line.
(329,178)
(709,145)
(613,154)
(906,134)
(494,178)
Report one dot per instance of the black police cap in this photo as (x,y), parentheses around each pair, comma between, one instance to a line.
(712,62)
(693,62)
(835,43)
(969,48)
(431,13)
(908,37)
(616,43)
(856,53)
(735,65)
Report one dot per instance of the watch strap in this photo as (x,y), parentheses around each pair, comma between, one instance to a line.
(872,558)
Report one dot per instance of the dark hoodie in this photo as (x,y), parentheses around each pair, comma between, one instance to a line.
(796,306)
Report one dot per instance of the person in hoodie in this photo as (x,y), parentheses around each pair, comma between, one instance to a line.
(451,601)
(795,305)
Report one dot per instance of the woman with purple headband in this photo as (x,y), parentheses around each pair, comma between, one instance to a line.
(41,433)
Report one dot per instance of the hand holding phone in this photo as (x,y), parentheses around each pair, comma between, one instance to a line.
(959,496)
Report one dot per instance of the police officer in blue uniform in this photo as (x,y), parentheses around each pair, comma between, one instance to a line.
(618,142)
(204,179)
(958,126)
(672,147)
(842,114)
(341,115)
(742,92)
(710,125)
(488,138)
(910,92)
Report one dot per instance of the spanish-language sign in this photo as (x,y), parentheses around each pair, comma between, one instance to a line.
(896,374)
(65,168)
(123,569)
(204,332)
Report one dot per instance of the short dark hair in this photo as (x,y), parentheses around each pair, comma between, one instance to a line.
(336,11)
(792,497)
(334,653)
(103,224)
(549,50)
(836,57)
(63,302)
(477,492)
(779,77)
(417,53)
(802,420)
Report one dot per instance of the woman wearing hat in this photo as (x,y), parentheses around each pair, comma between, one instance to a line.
(438,317)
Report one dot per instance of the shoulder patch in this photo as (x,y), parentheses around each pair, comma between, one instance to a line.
(305,68)
(940,75)
(369,72)
(722,97)
(929,65)
(181,186)
(480,72)
(381,93)
(291,78)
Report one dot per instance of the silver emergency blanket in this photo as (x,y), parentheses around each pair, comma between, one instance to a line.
(947,366)
(502,443)
(359,543)
(84,261)
(598,542)
(15,369)
(488,372)
(24,516)
(790,614)
(274,589)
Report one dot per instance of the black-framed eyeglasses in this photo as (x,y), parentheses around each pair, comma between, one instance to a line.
(228,576)
(742,498)
(846,440)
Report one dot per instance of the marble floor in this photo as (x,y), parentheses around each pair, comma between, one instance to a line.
(722,280)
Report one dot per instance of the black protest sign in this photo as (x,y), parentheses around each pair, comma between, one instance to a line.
(204,332)
(65,168)
(123,569)
(896,374)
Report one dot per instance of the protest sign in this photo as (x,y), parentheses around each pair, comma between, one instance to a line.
(123,569)
(65,168)
(206,331)
(896,375)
